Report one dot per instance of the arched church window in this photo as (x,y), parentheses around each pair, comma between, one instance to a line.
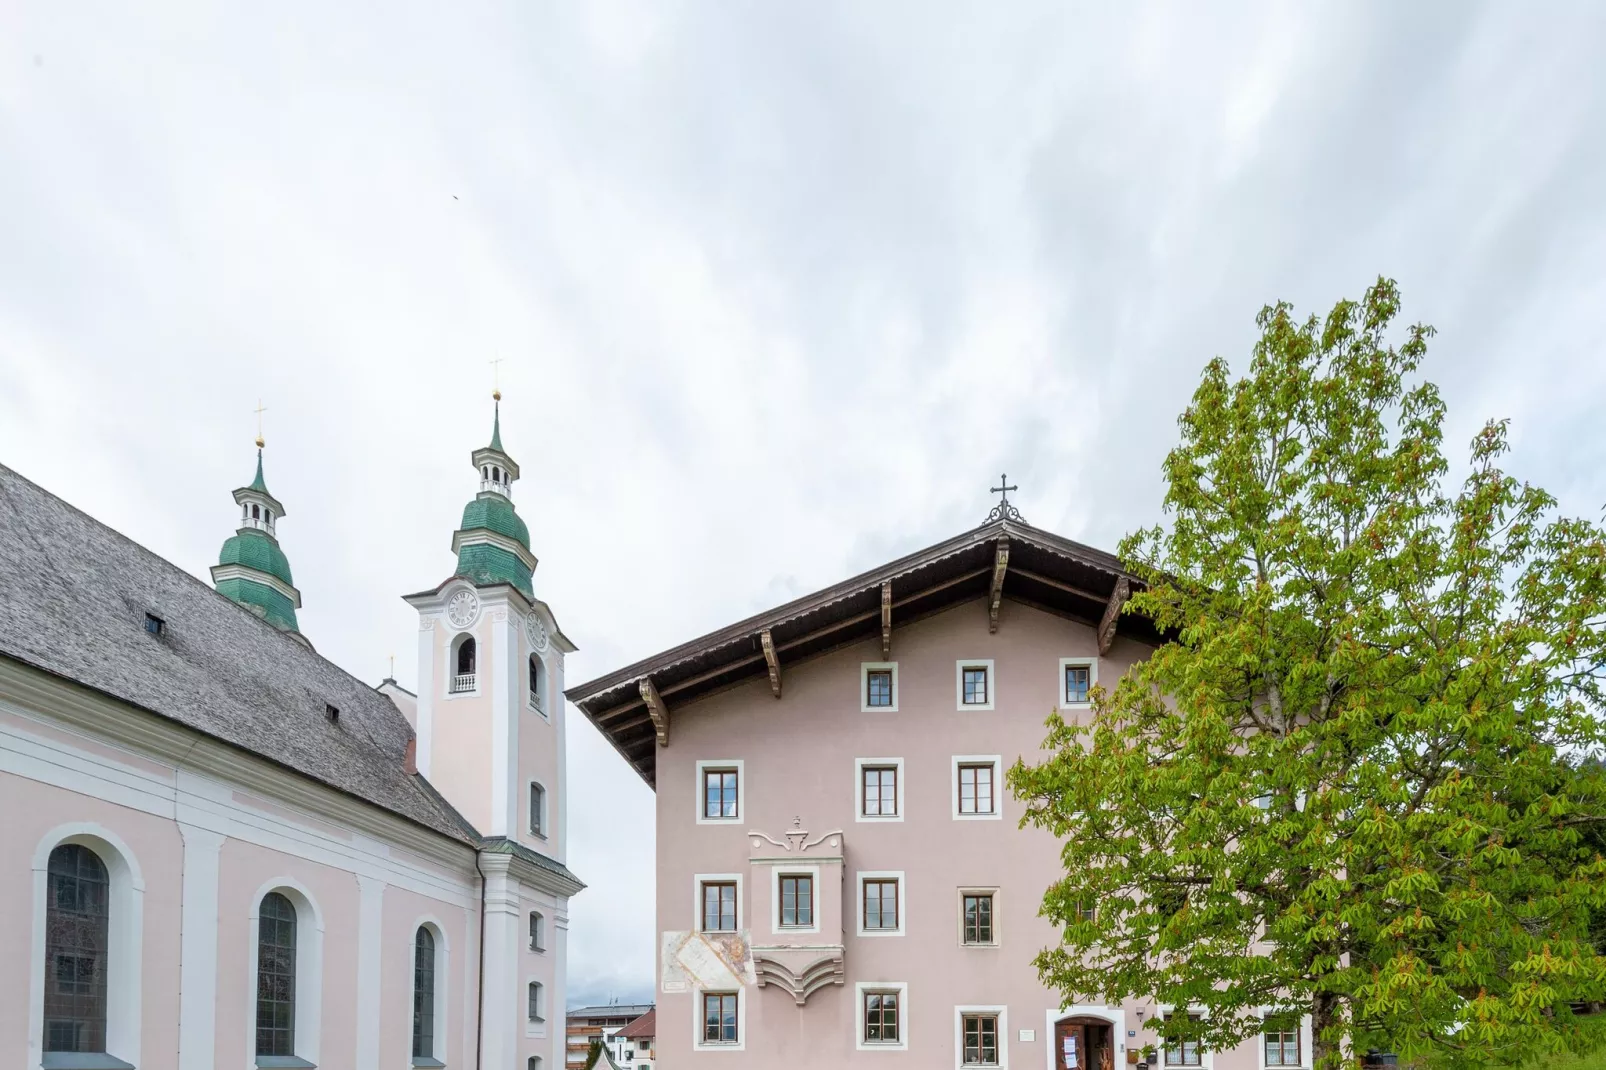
(424,994)
(256,512)
(276,976)
(268,515)
(465,656)
(537,684)
(77,933)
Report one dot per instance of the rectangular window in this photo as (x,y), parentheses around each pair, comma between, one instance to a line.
(980,1032)
(879,784)
(1282,1047)
(878,688)
(719,1018)
(976,789)
(881,1017)
(719,906)
(719,793)
(975,693)
(535,1002)
(537,810)
(978,923)
(797,901)
(880,904)
(1183,1052)
(537,932)
(1078,682)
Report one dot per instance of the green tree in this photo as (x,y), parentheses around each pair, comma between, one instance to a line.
(1336,790)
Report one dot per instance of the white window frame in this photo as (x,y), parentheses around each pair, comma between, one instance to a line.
(777,871)
(1002,1013)
(959,915)
(864,988)
(903,900)
(546,809)
(125,940)
(442,976)
(541,691)
(541,1009)
(864,686)
(959,685)
(1305,1039)
(741,790)
(1092,665)
(697,1041)
(697,883)
(453,641)
(997,761)
(859,765)
(537,947)
(1206,1056)
(309,968)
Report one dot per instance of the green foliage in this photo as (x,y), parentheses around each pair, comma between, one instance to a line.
(1350,787)
(594,1054)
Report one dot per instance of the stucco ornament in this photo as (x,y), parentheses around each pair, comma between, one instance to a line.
(537,633)
(463,608)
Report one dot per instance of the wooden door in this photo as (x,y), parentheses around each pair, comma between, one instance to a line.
(1070,1046)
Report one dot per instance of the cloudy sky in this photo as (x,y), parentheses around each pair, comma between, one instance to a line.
(779,289)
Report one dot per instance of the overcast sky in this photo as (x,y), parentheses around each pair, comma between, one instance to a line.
(780,288)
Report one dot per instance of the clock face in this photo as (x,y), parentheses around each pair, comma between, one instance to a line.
(537,632)
(463,608)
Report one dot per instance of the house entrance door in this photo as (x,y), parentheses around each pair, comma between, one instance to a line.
(1083,1044)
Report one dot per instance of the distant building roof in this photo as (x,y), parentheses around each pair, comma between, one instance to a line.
(612,1010)
(77,594)
(643,1028)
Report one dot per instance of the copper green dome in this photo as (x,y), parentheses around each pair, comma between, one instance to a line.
(257,550)
(495,513)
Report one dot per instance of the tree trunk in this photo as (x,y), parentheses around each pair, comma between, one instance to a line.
(1325,1051)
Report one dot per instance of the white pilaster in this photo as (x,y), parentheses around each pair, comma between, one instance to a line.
(370,939)
(504,672)
(503,1025)
(204,833)
(426,692)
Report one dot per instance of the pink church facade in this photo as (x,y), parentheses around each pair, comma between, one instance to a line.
(842,879)
(227,852)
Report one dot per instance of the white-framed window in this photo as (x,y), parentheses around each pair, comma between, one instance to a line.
(286,964)
(717,902)
(430,975)
(1078,676)
(1184,1053)
(978,917)
(878,687)
(881,902)
(88,920)
(719,791)
(975,684)
(719,1020)
(537,931)
(537,682)
(881,1017)
(795,899)
(878,789)
(1284,1044)
(535,997)
(462,666)
(538,809)
(981,1036)
(977,781)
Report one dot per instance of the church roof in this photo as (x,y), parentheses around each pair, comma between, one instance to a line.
(77,594)
(1043,569)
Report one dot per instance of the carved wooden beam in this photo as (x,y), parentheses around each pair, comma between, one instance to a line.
(656,709)
(1112,614)
(1000,566)
(772,661)
(886,621)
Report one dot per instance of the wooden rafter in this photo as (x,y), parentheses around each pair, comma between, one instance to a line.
(771,660)
(886,621)
(996,598)
(1112,614)
(656,709)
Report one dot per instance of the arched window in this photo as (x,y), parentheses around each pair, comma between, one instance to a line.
(537,931)
(256,512)
(424,994)
(534,1063)
(465,656)
(537,809)
(537,998)
(267,514)
(77,933)
(537,684)
(276,976)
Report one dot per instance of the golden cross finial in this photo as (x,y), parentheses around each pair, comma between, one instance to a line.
(260,409)
(496,379)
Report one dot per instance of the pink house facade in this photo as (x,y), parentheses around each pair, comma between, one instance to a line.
(224,851)
(842,879)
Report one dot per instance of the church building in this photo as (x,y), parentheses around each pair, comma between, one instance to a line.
(219,849)
(842,879)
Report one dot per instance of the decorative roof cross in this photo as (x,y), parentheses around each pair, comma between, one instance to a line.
(496,378)
(1003,510)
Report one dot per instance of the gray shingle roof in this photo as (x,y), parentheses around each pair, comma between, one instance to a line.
(76,595)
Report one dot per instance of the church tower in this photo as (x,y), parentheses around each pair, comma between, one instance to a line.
(252,569)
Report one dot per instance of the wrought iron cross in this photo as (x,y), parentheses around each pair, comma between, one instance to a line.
(1003,510)
(1003,488)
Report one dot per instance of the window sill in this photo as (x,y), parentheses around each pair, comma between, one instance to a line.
(284,1062)
(83,1060)
(424,1061)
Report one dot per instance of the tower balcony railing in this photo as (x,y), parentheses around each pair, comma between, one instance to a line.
(535,702)
(491,484)
(461,683)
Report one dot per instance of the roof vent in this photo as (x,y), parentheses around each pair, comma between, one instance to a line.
(154,624)
(331,712)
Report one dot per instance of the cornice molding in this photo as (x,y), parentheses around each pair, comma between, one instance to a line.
(255,575)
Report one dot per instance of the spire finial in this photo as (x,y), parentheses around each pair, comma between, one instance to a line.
(260,409)
(1003,510)
(496,379)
